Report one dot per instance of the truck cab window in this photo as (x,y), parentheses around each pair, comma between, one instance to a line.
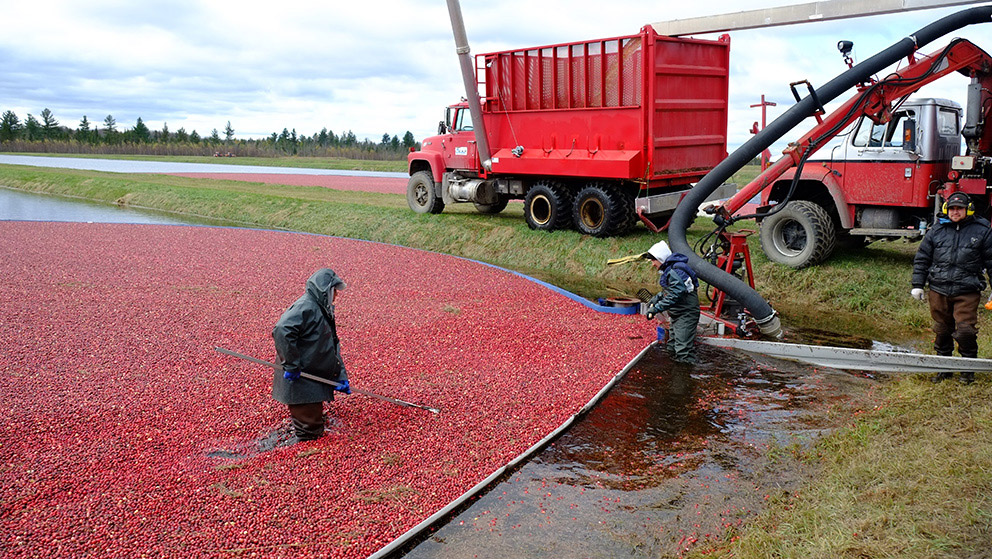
(947,122)
(888,134)
(464,123)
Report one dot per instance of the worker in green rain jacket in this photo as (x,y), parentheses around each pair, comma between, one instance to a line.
(678,298)
(306,341)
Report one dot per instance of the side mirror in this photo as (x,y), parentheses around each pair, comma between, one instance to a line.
(441,127)
(909,135)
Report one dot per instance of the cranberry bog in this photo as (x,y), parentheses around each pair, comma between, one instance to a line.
(126,435)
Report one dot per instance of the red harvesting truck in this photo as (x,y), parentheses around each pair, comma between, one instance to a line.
(590,134)
(893,163)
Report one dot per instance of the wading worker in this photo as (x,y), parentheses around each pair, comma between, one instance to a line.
(954,258)
(307,341)
(678,297)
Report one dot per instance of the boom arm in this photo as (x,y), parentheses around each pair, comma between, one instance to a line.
(875,100)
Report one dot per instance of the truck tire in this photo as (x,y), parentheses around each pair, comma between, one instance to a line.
(547,206)
(420,194)
(799,235)
(493,209)
(601,210)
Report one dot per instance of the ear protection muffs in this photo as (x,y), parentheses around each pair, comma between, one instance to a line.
(971,207)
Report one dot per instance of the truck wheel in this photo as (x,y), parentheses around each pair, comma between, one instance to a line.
(546,206)
(492,209)
(420,194)
(799,235)
(601,210)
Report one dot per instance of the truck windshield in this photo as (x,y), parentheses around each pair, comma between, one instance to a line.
(887,134)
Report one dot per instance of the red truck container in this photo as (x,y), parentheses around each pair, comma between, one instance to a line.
(590,134)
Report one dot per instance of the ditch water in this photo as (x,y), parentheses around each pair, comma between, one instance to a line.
(673,456)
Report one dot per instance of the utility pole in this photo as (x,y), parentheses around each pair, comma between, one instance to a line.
(765,154)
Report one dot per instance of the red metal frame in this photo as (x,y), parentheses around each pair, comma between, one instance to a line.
(963,57)
(735,247)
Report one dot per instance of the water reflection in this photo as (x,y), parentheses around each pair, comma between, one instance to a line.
(24,206)
(671,457)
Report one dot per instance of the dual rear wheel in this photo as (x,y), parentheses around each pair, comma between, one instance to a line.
(597,209)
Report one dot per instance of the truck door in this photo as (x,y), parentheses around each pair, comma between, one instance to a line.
(460,148)
(881,166)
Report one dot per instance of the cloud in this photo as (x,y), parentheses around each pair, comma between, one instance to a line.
(372,67)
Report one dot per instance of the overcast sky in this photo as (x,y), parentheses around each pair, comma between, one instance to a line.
(371,67)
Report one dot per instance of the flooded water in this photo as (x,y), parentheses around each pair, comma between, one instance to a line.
(168,167)
(672,457)
(23,206)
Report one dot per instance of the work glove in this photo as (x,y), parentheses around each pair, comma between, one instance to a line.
(652,312)
(343,387)
(917,293)
(291,375)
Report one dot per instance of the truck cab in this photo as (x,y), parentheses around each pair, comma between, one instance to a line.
(875,181)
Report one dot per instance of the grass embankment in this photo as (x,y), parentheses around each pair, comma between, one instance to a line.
(909,479)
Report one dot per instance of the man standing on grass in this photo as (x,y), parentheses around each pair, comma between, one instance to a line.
(954,258)
(307,341)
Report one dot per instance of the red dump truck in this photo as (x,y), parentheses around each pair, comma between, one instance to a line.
(591,134)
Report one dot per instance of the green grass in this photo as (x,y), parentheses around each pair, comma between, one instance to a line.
(910,478)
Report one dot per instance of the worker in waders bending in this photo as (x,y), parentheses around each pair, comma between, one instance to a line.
(678,297)
(954,258)
(307,341)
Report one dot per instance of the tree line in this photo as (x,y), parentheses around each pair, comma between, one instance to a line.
(45,134)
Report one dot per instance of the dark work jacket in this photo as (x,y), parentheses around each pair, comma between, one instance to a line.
(679,282)
(306,340)
(954,257)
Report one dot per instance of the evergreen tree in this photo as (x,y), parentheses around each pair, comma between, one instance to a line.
(194,137)
(228,132)
(408,140)
(10,126)
(140,132)
(165,132)
(215,137)
(32,128)
(385,140)
(181,136)
(110,124)
(83,133)
(49,126)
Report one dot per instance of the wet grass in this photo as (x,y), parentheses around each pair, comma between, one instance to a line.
(908,479)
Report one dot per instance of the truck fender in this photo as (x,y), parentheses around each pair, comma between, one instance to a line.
(427,161)
(831,182)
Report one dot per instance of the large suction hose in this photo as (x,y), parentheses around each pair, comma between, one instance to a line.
(685,213)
